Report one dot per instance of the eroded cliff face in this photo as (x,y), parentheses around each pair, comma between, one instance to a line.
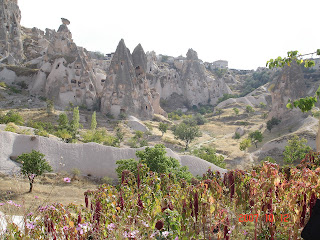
(184,78)
(11,49)
(126,89)
(289,85)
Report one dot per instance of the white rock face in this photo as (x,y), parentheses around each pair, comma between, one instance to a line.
(186,77)
(135,124)
(89,158)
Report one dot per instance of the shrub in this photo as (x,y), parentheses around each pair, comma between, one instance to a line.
(246,143)
(132,142)
(249,109)
(138,134)
(93,121)
(209,154)
(199,119)
(143,143)
(237,135)
(13,117)
(256,137)
(3,84)
(296,149)
(75,172)
(163,127)
(271,123)
(64,134)
(11,127)
(41,132)
(236,111)
(33,164)
(262,105)
(269,159)
(123,116)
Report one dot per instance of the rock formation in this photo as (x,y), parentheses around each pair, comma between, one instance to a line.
(10,32)
(126,89)
(184,81)
(289,85)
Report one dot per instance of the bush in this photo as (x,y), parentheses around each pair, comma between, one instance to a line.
(144,143)
(271,123)
(186,133)
(163,127)
(138,134)
(209,154)
(41,132)
(123,116)
(3,84)
(64,134)
(237,135)
(13,117)
(249,109)
(199,119)
(11,127)
(296,149)
(33,164)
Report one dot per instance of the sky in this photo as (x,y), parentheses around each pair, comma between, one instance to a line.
(246,33)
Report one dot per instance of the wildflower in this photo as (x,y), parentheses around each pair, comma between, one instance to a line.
(159,225)
(36,197)
(65,228)
(10,202)
(30,214)
(1,204)
(17,205)
(177,238)
(30,225)
(111,226)
(145,224)
(165,233)
(67,179)
(245,232)
(79,229)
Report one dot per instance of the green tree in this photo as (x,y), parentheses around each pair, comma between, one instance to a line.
(209,154)
(256,137)
(186,133)
(33,164)
(119,135)
(156,160)
(236,110)
(93,121)
(244,144)
(63,121)
(163,127)
(75,123)
(249,109)
(296,149)
(272,122)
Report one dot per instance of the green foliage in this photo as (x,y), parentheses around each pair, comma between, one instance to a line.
(41,132)
(144,143)
(3,84)
(157,161)
(99,136)
(164,58)
(64,134)
(186,133)
(209,154)
(220,72)
(237,135)
(126,164)
(63,121)
(175,115)
(219,111)
(75,119)
(269,159)
(272,122)
(123,116)
(11,127)
(13,117)
(138,134)
(50,106)
(33,164)
(13,89)
(264,115)
(119,135)
(296,149)
(256,137)
(249,109)
(199,119)
(163,127)
(133,142)
(236,110)
(244,144)
(254,81)
(262,105)
(307,103)
(93,121)
(316,114)
(226,96)
(42,126)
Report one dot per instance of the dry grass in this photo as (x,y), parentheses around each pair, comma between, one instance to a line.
(45,191)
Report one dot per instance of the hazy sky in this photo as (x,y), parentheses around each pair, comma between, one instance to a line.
(247,33)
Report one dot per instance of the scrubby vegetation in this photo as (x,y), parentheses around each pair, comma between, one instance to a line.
(267,202)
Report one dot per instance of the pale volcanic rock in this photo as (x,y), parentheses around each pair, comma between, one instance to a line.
(126,89)
(289,85)
(10,30)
